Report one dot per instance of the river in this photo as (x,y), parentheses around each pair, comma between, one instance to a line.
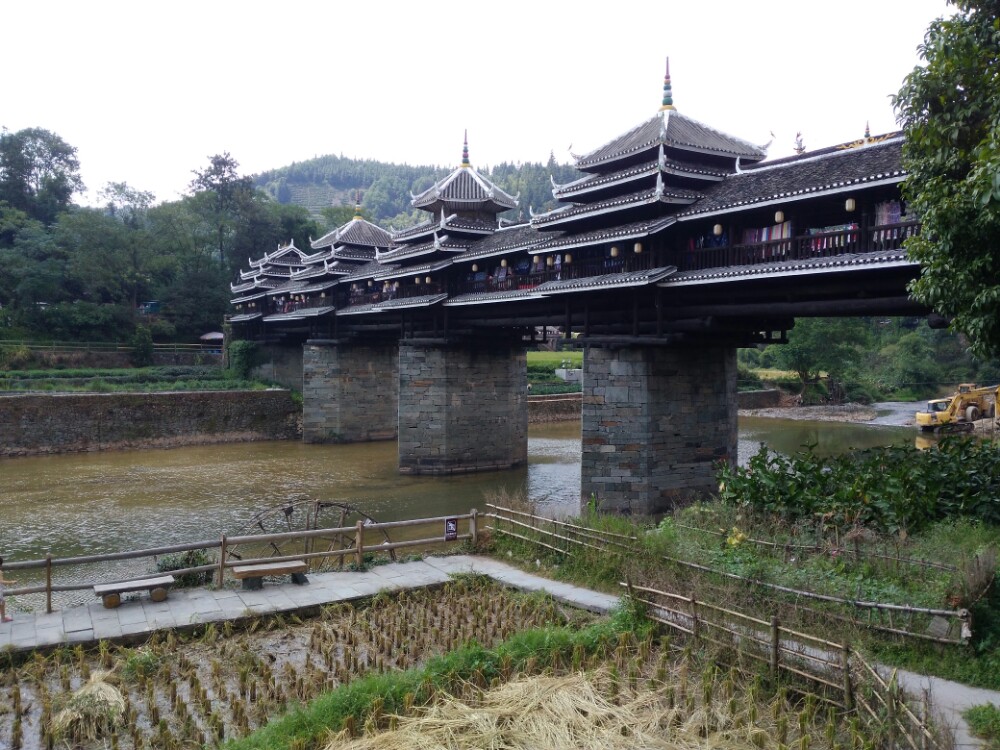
(78,504)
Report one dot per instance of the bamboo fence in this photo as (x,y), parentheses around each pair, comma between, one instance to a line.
(949,626)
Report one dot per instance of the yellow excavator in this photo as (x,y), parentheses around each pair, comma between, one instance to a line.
(960,411)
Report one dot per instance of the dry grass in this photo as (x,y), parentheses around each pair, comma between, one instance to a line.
(600,710)
(91,712)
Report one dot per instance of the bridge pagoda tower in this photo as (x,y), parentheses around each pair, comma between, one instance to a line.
(659,411)
(462,396)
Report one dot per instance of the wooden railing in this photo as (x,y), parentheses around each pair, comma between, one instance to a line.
(103,346)
(897,619)
(804,247)
(355,543)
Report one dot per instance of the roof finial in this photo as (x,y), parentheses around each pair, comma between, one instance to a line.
(465,150)
(868,131)
(668,96)
(357,205)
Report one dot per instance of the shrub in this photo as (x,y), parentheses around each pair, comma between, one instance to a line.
(243,358)
(142,347)
(190,559)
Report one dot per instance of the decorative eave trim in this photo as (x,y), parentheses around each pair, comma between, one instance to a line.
(612,206)
(401,272)
(602,237)
(837,264)
(487,298)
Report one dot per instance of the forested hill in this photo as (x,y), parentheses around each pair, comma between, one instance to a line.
(333,181)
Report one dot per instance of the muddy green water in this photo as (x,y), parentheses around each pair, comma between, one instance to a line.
(101,502)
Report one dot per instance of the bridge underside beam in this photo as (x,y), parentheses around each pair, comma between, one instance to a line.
(656,423)
(462,408)
(349,391)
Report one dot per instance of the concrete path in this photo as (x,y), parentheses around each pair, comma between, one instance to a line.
(185,607)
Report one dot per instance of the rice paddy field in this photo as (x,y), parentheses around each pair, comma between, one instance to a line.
(467,665)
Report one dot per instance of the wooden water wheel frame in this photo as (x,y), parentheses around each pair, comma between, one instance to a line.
(310,515)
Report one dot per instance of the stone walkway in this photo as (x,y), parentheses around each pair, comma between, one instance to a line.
(187,607)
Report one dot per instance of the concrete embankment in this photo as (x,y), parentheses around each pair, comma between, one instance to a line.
(33,424)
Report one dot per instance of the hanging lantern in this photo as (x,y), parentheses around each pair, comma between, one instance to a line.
(536,260)
(371,283)
(549,261)
(475,268)
(637,248)
(850,205)
(503,263)
(717,230)
(567,258)
(417,280)
(322,295)
(614,251)
(779,217)
(427,280)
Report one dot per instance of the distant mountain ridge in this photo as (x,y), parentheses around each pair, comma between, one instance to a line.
(386,188)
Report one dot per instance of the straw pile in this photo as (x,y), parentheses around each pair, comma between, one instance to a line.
(555,713)
(91,711)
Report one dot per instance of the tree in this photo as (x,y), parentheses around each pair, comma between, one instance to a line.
(950,111)
(39,172)
(222,180)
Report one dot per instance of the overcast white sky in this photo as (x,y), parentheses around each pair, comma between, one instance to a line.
(147,90)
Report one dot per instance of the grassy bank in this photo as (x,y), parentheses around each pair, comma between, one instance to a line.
(124,380)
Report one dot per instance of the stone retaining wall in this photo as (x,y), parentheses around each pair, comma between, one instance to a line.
(65,423)
(766,399)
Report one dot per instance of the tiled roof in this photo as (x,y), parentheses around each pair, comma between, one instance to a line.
(349,252)
(847,262)
(465,187)
(595,182)
(398,272)
(404,302)
(505,240)
(606,281)
(673,129)
(357,231)
(367,271)
(613,205)
(247,298)
(442,243)
(305,312)
(479,298)
(831,170)
(289,255)
(258,282)
(245,317)
(630,231)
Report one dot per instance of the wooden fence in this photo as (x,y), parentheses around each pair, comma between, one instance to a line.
(839,673)
(322,548)
(106,346)
(922,623)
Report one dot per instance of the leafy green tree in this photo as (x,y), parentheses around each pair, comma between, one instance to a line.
(817,345)
(227,189)
(950,110)
(39,172)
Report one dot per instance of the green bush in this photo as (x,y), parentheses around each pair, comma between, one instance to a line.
(190,559)
(887,489)
(142,347)
(243,358)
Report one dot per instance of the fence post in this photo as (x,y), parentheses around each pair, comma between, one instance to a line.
(222,561)
(694,618)
(359,541)
(845,665)
(474,528)
(775,645)
(925,717)
(890,710)
(48,582)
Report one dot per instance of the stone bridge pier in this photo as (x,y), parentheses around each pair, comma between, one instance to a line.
(656,423)
(463,407)
(349,391)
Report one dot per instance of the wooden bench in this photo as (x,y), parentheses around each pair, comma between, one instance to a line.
(110,593)
(253,575)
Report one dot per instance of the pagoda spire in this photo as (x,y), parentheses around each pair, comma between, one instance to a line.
(668,95)
(465,150)
(357,205)
(868,131)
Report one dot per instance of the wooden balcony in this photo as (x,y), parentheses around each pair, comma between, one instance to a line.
(804,247)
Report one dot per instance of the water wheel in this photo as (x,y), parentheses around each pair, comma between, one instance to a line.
(306,515)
